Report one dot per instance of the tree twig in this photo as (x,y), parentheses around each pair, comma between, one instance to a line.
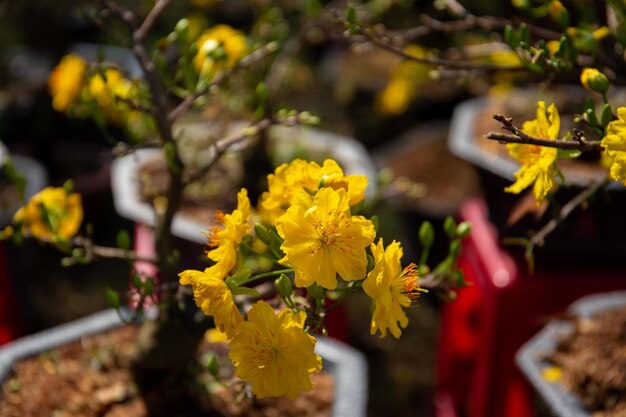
(220,147)
(245,62)
(538,238)
(519,136)
(93,251)
(386,43)
(150,19)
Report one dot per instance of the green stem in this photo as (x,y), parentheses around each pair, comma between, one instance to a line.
(269,274)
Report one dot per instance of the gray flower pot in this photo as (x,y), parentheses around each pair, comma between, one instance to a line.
(347,365)
(529,358)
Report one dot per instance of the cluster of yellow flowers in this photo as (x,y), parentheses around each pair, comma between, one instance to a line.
(539,163)
(305,222)
(74,82)
(53,213)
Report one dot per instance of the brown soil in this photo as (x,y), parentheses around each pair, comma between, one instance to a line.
(216,190)
(423,157)
(593,362)
(92,378)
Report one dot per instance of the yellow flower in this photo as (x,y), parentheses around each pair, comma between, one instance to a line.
(538,162)
(391,288)
(322,239)
(228,233)
(299,175)
(406,80)
(274,353)
(614,144)
(219,47)
(50,213)
(107,92)
(66,81)
(213,297)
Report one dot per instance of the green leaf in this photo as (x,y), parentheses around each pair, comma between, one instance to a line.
(239,278)
(370,263)
(123,239)
(523,34)
(261,232)
(245,291)
(568,153)
(607,115)
(449,226)
(137,281)
(463,230)
(112,298)
(426,234)
(210,361)
(376,221)
(148,287)
(510,37)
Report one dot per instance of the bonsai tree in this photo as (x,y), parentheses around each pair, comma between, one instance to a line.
(307,242)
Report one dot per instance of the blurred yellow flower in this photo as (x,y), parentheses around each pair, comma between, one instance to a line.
(274,353)
(51,213)
(391,288)
(219,47)
(228,233)
(614,143)
(538,162)
(322,239)
(106,92)
(66,81)
(213,297)
(406,80)
(299,175)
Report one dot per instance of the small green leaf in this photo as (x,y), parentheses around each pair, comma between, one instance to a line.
(239,278)
(148,287)
(137,281)
(112,298)
(510,37)
(427,234)
(245,291)
(568,153)
(607,115)
(315,291)
(123,239)
(261,232)
(523,34)
(211,364)
(68,186)
(449,226)
(370,263)
(463,230)
(376,221)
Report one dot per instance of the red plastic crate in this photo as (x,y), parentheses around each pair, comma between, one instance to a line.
(10,323)
(500,310)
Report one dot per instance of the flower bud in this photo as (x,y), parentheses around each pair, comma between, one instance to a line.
(558,13)
(283,286)
(594,80)
(426,234)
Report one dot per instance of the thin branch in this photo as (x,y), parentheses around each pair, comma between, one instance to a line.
(471,22)
(93,251)
(538,238)
(245,62)
(385,43)
(219,148)
(151,18)
(519,136)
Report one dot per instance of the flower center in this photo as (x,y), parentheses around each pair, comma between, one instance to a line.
(214,239)
(410,282)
